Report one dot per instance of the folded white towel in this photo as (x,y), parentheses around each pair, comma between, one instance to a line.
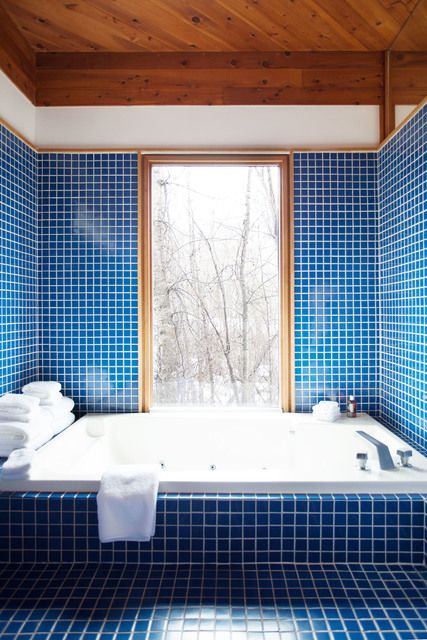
(61,423)
(16,406)
(53,400)
(328,404)
(18,464)
(127,503)
(326,411)
(59,410)
(41,388)
(15,435)
(49,393)
(23,417)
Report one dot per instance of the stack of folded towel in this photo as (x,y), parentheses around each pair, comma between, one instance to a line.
(18,464)
(50,397)
(31,419)
(23,423)
(326,411)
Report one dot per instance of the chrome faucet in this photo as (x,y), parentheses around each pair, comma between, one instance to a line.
(362,460)
(404,455)
(384,456)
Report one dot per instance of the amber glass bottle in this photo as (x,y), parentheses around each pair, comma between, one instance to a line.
(351,407)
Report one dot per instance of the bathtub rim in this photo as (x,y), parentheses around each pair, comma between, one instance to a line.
(203,483)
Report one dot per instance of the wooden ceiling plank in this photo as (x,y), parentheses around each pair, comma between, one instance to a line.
(183,34)
(345,78)
(189,77)
(147,32)
(218,21)
(44,39)
(341,84)
(385,23)
(234,95)
(409,60)
(203,27)
(413,35)
(400,10)
(335,27)
(209,25)
(295,28)
(408,76)
(43,35)
(266,19)
(17,59)
(69,24)
(363,31)
(193,95)
(211,60)
(124,34)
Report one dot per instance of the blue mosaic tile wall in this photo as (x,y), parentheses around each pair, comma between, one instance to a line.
(89,277)
(18,263)
(402,176)
(221,529)
(336,339)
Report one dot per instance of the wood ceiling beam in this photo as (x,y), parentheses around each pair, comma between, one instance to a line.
(210,60)
(17,59)
(408,76)
(209,78)
(387,116)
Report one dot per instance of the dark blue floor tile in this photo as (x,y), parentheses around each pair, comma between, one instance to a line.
(191,602)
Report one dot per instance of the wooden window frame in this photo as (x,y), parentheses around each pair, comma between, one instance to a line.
(286,342)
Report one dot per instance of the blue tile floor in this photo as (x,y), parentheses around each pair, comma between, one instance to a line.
(286,602)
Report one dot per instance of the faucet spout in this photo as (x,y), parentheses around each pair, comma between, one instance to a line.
(384,456)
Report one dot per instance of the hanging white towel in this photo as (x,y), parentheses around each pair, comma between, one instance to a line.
(18,464)
(16,406)
(126,501)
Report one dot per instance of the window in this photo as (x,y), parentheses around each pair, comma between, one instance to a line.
(215,283)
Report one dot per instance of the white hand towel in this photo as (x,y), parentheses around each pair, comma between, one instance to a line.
(17,406)
(18,464)
(42,388)
(62,422)
(53,400)
(59,410)
(15,435)
(33,416)
(326,411)
(48,392)
(126,501)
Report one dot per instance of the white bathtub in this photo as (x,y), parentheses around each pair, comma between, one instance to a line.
(232,452)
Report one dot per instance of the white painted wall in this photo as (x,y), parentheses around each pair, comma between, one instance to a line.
(201,127)
(401,111)
(16,109)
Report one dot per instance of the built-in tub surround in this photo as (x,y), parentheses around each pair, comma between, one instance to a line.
(402,178)
(221,529)
(18,263)
(89,277)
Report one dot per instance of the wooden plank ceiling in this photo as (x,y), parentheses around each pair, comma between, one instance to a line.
(89,52)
